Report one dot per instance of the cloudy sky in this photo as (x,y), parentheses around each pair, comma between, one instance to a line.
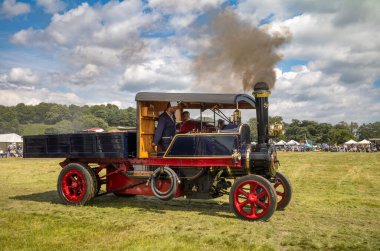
(93,52)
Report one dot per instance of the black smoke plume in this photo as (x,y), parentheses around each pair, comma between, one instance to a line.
(238,52)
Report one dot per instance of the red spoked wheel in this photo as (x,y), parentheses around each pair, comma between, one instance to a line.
(253,198)
(283,190)
(76,184)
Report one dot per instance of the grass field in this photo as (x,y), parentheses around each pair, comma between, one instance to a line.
(336,206)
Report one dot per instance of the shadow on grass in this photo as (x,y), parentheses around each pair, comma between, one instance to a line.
(49,196)
(143,203)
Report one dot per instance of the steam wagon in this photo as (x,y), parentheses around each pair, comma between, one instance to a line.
(203,160)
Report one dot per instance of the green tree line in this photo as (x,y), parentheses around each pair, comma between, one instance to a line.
(62,118)
(58,118)
(301,130)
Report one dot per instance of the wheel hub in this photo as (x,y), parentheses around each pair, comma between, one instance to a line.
(252,198)
(75,184)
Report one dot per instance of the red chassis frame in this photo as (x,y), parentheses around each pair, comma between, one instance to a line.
(116,180)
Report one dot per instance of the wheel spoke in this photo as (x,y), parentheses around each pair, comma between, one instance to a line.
(253,187)
(71,192)
(277,184)
(79,191)
(253,212)
(262,205)
(72,179)
(261,194)
(242,192)
(242,204)
(280,194)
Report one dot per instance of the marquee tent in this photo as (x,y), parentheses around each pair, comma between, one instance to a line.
(10,138)
(350,142)
(364,142)
(6,139)
(293,143)
(280,143)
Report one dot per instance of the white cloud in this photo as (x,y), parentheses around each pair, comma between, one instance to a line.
(339,43)
(110,51)
(114,102)
(352,50)
(334,37)
(85,76)
(306,94)
(89,70)
(183,6)
(19,77)
(23,76)
(107,34)
(22,37)
(182,13)
(182,21)
(36,96)
(255,11)
(52,6)
(163,70)
(11,8)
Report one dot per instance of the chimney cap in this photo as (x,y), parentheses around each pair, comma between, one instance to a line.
(261,86)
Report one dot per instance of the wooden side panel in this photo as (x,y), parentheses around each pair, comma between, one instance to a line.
(148,114)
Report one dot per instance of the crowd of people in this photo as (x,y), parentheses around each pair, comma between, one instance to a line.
(13,150)
(355,148)
(333,148)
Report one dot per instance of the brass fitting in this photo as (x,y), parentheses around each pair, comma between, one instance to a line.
(236,156)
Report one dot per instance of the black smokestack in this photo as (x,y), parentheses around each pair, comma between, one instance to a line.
(261,93)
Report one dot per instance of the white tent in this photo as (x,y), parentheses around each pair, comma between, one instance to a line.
(293,143)
(350,142)
(6,139)
(364,142)
(281,143)
(10,138)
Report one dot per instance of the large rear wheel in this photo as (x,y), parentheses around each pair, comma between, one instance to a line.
(253,198)
(76,184)
(283,190)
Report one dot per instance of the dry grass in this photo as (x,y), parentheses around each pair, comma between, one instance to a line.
(336,206)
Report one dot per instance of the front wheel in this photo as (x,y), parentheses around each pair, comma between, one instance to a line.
(76,184)
(253,198)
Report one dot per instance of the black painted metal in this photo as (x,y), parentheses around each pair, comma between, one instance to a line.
(262,112)
(89,145)
(208,145)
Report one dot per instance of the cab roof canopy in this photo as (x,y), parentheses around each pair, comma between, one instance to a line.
(200,100)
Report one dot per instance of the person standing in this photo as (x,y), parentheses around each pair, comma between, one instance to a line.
(166,127)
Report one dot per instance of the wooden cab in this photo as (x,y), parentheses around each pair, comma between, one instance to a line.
(151,104)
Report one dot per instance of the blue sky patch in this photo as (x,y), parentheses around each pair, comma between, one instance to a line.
(377,83)
(286,65)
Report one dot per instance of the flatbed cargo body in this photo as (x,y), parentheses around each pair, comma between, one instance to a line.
(76,145)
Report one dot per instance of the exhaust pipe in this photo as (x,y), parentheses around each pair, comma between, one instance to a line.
(261,93)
